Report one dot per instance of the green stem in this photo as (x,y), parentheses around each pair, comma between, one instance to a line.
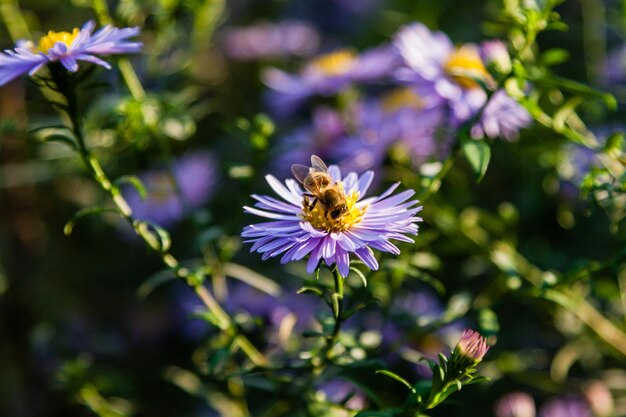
(337,307)
(225,323)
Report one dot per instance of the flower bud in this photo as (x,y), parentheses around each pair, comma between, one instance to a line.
(472,345)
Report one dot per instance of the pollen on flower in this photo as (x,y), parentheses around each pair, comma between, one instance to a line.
(401,98)
(465,65)
(47,42)
(335,63)
(319,219)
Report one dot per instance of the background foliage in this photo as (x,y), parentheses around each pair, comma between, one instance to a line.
(532,255)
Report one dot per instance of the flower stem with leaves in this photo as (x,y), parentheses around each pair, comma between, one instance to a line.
(155,237)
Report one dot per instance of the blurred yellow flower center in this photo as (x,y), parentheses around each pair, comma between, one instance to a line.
(48,41)
(162,187)
(319,216)
(335,63)
(401,98)
(465,66)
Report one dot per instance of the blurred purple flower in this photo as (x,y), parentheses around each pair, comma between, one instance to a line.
(515,404)
(565,407)
(170,195)
(338,390)
(327,75)
(615,68)
(502,117)
(67,48)
(298,231)
(322,138)
(242,297)
(399,117)
(438,69)
(267,40)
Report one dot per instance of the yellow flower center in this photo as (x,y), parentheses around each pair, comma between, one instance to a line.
(161,187)
(48,41)
(401,98)
(335,63)
(320,219)
(465,66)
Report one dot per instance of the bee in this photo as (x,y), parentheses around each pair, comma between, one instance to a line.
(319,184)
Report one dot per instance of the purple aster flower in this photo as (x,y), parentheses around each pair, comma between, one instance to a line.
(327,75)
(565,407)
(170,195)
(266,40)
(440,70)
(515,404)
(300,228)
(67,48)
(502,117)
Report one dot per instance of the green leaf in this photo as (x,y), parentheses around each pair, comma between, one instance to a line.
(313,290)
(391,412)
(252,278)
(360,275)
(398,378)
(134,181)
(310,334)
(60,138)
(488,321)
(574,87)
(71,223)
(155,232)
(478,154)
(150,284)
(554,56)
(477,380)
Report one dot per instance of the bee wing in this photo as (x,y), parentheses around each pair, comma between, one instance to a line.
(317,164)
(300,172)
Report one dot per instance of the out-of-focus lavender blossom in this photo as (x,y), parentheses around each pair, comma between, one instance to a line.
(439,69)
(281,314)
(299,229)
(267,40)
(502,117)
(171,195)
(338,390)
(421,305)
(399,117)
(327,75)
(515,404)
(357,6)
(458,75)
(565,407)
(615,68)
(67,48)
(322,138)
(242,297)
